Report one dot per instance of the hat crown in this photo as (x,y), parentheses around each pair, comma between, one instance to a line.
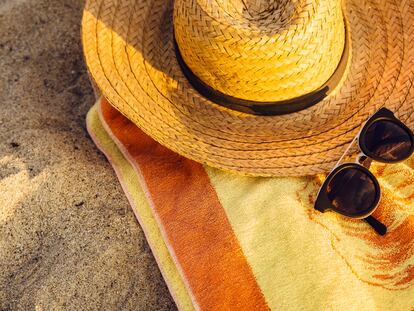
(264,10)
(256,8)
(260,50)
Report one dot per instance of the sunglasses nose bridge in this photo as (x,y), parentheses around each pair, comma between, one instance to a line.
(363,160)
(360,157)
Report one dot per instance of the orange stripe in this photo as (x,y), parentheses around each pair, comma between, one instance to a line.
(193,220)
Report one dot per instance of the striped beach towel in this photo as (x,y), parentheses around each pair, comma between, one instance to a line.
(228,242)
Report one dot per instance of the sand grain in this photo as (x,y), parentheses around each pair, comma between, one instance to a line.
(68,238)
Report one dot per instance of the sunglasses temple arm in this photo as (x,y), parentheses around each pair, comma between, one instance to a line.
(378,226)
(346,151)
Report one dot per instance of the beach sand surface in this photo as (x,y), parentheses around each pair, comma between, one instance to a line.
(68,238)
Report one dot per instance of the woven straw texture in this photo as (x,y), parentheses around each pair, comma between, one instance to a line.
(261,50)
(129,51)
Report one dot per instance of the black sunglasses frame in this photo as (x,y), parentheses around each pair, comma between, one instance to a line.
(383,115)
(323,203)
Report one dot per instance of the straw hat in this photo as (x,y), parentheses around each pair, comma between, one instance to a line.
(259,87)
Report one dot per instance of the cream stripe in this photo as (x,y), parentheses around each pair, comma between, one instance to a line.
(130,184)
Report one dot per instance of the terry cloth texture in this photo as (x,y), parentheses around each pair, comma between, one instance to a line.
(225,242)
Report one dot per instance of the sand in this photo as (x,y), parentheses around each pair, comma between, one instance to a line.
(68,238)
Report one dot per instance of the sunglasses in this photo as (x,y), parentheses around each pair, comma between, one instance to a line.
(350,188)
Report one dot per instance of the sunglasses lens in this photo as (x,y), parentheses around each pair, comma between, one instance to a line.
(352,192)
(388,141)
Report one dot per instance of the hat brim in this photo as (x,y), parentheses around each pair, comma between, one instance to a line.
(129,51)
